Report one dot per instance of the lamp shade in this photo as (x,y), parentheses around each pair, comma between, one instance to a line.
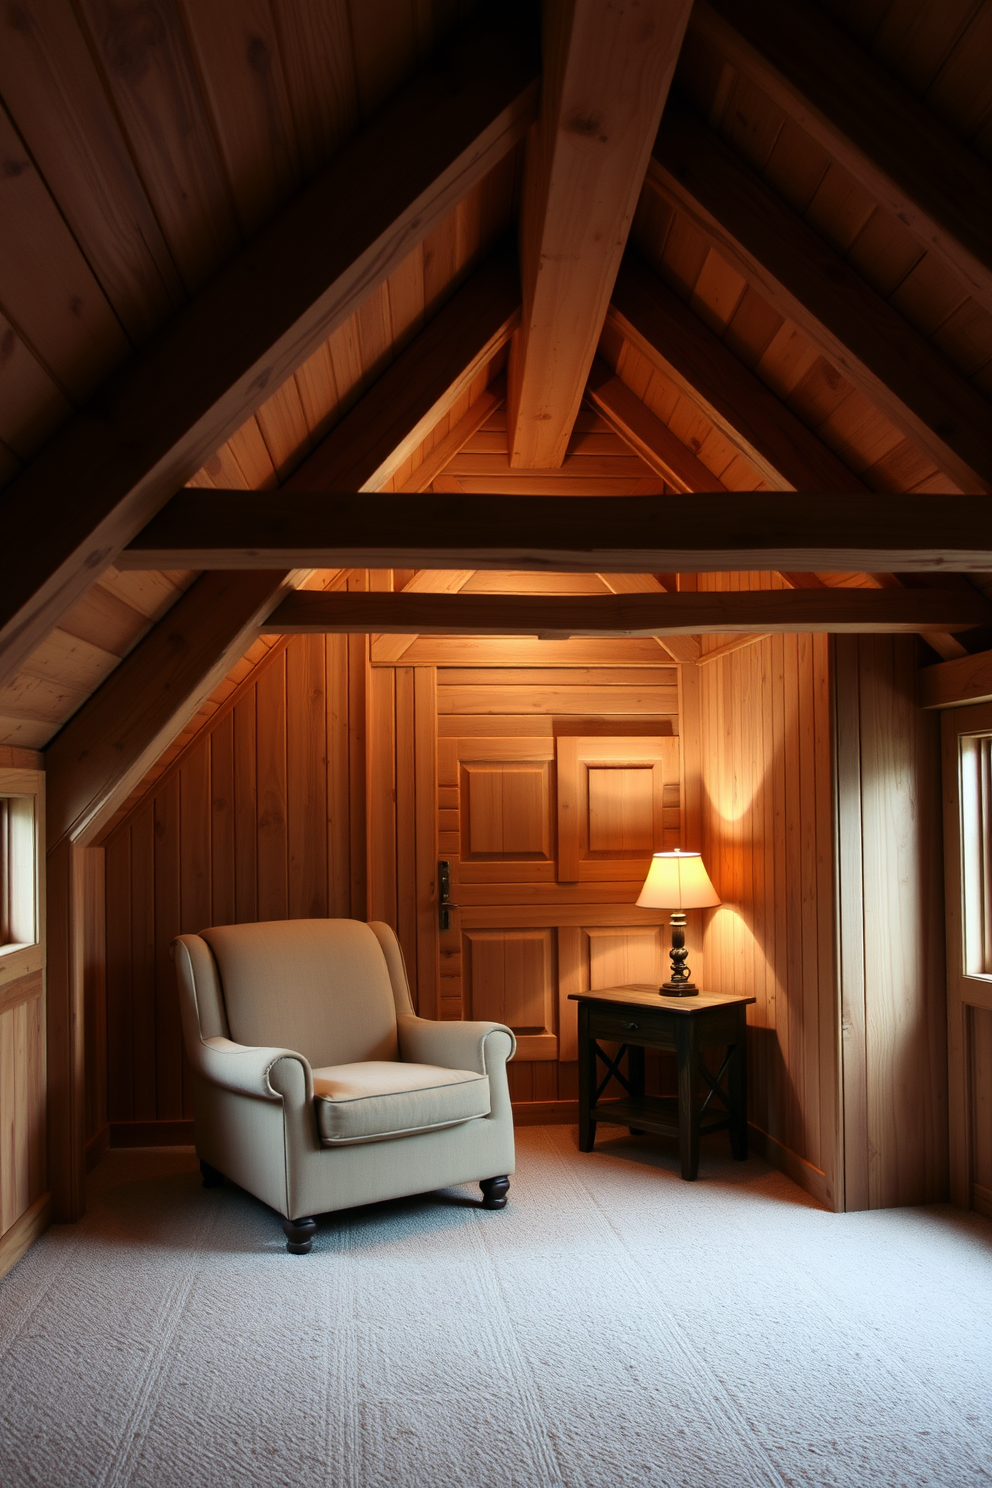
(677,880)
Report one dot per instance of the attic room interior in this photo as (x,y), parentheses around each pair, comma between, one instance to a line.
(358,361)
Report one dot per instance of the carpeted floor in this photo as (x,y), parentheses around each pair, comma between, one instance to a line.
(613,1326)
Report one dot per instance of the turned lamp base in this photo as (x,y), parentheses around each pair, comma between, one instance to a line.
(679,984)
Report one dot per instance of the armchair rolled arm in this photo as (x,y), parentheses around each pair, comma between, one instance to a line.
(465,1046)
(268,1074)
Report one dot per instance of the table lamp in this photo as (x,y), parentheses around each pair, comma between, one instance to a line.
(678,881)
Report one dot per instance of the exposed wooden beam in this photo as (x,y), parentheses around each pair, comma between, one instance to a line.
(607,69)
(680,648)
(733,398)
(558,617)
(896,368)
(789,455)
(645,433)
(106,747)
(826,532)
(901,152)
(387,650)
(447,448)
(421,385)
(151,428)
(957,684)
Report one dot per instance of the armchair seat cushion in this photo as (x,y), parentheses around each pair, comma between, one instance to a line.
(380,1098)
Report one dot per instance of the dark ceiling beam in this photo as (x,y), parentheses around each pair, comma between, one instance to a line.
(825,532)
(797,271)
(730,396)
(101,478)
(606,74)
(645,312)
(903,155)
(557,617)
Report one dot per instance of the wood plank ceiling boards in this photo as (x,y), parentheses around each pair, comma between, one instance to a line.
(797,271)
(607,69)
(904,156)
(257,321)
(557,617)
(834,532)
(108,744)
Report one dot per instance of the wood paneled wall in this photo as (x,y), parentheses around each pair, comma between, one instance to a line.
(262,817)
(891,922)
(25,1200)
(758,722)
(819,808)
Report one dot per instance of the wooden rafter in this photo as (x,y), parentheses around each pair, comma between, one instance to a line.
(190,388)
(681,647)
(957,684)
(828,532)
(607,69)
(733,398)
(645,433)
(896,368)
(558,617)
(447,448)
(902,153)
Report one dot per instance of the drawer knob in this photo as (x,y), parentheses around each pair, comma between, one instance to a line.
(630,1025)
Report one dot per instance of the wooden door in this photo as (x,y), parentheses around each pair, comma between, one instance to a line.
(548,840)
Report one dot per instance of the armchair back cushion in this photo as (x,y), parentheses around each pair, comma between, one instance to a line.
(320,987)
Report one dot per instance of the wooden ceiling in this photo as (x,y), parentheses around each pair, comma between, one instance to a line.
(795,310)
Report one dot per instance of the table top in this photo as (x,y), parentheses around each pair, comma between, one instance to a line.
(646,994)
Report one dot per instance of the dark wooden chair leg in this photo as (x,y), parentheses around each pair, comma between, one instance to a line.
(494,1191)
(211,1177)
(299,1235)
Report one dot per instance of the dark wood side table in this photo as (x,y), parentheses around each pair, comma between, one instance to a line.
(637,1018)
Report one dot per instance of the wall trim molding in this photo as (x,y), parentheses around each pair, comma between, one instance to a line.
(812,1179)
(96,1147)
(151,1133)
(24,1232)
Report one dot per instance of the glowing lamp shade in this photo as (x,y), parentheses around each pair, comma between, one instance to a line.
(678,881)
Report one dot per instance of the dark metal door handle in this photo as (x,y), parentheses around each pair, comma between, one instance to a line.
(630,1025)
(444,893)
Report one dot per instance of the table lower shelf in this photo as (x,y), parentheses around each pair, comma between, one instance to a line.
(653,1113)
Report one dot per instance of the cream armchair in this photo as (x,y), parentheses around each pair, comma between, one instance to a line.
(317,1087)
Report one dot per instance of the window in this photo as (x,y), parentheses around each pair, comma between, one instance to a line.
(18,874)
(976,852)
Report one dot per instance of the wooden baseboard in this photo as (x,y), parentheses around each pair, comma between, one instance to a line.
(96,1147)
(546,1113)
(813,1180)
(24,1232)
(981,1200)
(151,1133)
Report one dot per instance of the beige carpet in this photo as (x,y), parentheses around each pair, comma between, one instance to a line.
(613,1326)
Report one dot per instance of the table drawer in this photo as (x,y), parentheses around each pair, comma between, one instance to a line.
(625,1027)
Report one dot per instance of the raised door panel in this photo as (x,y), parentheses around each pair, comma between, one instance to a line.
(618,801)
(497,812)
(591,957)
(509,978)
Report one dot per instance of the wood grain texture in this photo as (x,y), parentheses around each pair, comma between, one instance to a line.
(157,424)
(873,128)
(957,684)
(803,278)
(838,532)
(559,617)
(606,73)
(891,897)
(789,455)
(767,840)
(653,440)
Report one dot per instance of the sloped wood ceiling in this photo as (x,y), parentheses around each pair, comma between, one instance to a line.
(144,145)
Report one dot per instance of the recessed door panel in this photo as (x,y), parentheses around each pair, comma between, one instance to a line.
(506,809)
(509,978)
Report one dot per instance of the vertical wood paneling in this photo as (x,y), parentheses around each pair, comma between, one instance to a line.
(767,838)
(892,967)
(255,820)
